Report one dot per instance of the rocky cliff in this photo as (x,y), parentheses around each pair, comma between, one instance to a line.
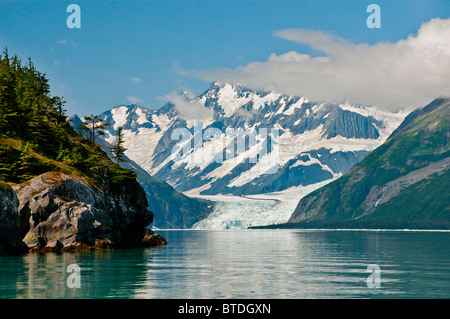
(171,209)
(10,240)
(58,212)
(55,212)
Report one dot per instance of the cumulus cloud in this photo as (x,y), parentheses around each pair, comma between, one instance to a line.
(405,74)
(188,108)
(134,99)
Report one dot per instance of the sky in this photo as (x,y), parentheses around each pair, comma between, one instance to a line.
(145,51)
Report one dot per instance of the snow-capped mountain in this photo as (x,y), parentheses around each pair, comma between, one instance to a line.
(233,140)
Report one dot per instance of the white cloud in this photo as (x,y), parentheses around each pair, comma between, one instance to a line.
(405,74)
(189,109)
(135,80)
(134,99)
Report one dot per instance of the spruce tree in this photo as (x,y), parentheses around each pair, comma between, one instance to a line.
(58,104)
(93,126)
(118,150)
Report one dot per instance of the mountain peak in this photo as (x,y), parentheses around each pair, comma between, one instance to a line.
(130,107)
(218,86)
(442,103)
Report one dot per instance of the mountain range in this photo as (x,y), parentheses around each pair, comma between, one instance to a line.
(316,141)
(235,141)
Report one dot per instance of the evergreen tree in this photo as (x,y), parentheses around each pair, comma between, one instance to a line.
(24,98)
(58,104)
(118,150)
(93,126)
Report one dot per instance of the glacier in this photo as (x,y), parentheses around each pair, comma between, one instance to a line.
(241,212)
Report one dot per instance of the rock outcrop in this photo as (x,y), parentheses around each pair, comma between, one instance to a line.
(10,241)
(152,239)
(58,212)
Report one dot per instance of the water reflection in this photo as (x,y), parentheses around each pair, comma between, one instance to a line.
(244,264)
(300,264)
(103,274)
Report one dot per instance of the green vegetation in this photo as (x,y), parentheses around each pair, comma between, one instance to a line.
(35,136)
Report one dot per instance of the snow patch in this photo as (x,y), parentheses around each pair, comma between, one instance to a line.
(295,106)
(142,118)
(119,116)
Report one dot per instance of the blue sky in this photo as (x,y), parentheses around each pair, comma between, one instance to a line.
(132,50)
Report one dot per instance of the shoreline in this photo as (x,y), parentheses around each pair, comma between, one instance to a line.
(312,229)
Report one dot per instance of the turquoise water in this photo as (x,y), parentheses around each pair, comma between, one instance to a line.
(245,264)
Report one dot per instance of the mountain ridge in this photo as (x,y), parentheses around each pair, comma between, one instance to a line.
(312,135)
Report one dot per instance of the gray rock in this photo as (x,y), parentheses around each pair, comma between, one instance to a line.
(10,241)
(152,239)
(60,212)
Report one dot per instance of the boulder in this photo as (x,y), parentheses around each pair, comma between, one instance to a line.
(152,239)
(58,212)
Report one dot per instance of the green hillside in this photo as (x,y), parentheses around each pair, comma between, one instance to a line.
(402,184)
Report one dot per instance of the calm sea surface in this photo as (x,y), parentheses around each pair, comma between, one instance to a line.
(245,264)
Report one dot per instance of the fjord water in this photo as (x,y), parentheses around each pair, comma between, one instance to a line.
(270,264)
